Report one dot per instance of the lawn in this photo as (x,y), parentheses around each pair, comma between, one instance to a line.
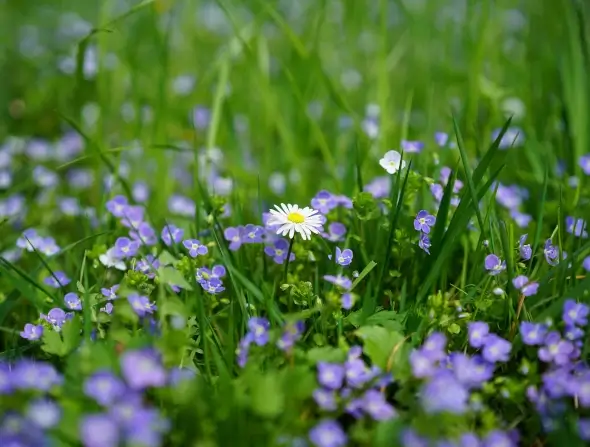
(294,223)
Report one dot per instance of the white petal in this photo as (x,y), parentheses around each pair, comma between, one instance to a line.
(292,232)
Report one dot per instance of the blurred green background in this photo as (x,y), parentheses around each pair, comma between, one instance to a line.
(293,75)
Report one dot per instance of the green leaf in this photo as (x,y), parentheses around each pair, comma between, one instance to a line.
(267,398)
(325,354)
(304,377)
(52,342)
(171,276)
(173,306)
(166,258)
(71,332)
(380,344)
(370,266)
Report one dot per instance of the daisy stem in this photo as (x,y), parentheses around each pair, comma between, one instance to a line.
(288,259)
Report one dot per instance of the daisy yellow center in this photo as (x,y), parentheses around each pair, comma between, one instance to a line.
(296,218)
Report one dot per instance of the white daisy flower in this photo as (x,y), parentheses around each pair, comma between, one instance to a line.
(291,219)
(392,162)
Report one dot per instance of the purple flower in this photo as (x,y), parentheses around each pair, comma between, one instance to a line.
(551,253)
(375,405)
(29,375)
(525,249)
(347,301)
(172,234)
(145,428)
(125,248)
(142,369)
(213,286)
(234,236)
(584,163)
(444,393)
(522,219)
(412,147)
(117,206)
(339,280)
(44,413)
(586,263)
(108,308)
(292,332)
(527,288)
(258,328)
(57,317)
(441,138)
(110,293)
(513,137)
(278,251)
(530,289)
(577,227)
(409,438)
(573,333)
(437,191)
(379,187)
(133,217)
(435,345)
(73,301)
(356,372)
(104,387)
(494,265)
(584,423)
(328,433)
(343,257)
(575,313)
(579,387)
(182,206)
(422,364)
(496,349)
(532,334)
(57,280)
(555,349)
(478,333)
(324,202)
(242,350)
(31,332)
(325,399)
(497,438)
(472,372)
(144,234)
(252,234)
(424,221)
(330,375)
(424,242)
(141,304)
(195,248)
(99,430)
(336,232)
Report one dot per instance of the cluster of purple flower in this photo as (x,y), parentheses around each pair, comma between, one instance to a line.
(352,387)
(343,284)
(210,279)
(40,414)
(31,241)
(437,189)
(258,334)
(125,416)
(55,318)
(450,377)
(566,375)
(423,223)
(512,198)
